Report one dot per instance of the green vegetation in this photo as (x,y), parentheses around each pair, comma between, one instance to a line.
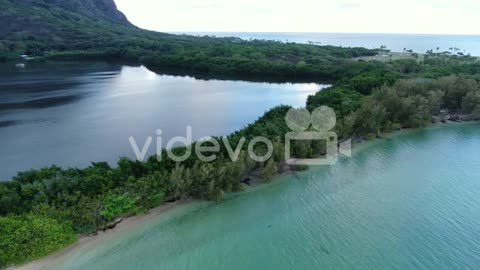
(87,30)
(85,200)
(408,103)
(43,210)
(270,170)
(117,205)
(33,235)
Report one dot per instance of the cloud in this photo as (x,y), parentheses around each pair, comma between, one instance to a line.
(367,16)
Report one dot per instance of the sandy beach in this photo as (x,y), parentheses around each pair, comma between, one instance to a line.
(86,241)
(130,223)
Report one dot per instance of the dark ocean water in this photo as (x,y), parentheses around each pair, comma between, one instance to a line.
(394,42)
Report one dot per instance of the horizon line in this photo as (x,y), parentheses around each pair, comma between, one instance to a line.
(309,32)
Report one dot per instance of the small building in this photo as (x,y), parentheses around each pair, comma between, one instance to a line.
(25,57)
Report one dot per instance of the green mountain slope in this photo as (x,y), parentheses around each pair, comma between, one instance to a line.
(59,23)
(95,29)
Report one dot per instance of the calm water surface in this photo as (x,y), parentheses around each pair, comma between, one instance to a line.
(409,202)
(70,114)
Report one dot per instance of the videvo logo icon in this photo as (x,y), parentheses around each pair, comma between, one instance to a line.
(323,119)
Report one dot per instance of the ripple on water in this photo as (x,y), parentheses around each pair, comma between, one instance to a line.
(410,202)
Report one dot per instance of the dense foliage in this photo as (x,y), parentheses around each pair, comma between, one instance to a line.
(408,103)
(42,210)
(77,29)
(33,235)
(86,200)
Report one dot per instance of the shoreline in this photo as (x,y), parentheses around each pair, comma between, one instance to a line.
(129,223)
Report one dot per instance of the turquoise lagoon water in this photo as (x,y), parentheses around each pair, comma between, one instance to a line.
(407,202)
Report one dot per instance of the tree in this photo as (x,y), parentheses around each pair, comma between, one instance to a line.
(115,205)
(342,101)
(20,46)
(83,215)
(234,174)
(456,88)
(177,182)
(10,200)
(369,118)
(269,171)
(31,236)
(470,102)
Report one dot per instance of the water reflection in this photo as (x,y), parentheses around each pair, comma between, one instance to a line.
(48,85)
(71,114)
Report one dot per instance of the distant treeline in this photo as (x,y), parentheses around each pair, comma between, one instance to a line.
(44,210)
(57,34)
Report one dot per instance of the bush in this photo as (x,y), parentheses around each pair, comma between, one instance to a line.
(31,236)
(118,205)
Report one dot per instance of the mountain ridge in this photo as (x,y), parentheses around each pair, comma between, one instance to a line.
(97,30)
(106,9)
(59,24)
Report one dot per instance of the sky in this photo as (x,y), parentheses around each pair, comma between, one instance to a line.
(335,16)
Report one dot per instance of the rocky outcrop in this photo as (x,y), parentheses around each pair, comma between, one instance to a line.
(98,9)
(42,25)
(113,224)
